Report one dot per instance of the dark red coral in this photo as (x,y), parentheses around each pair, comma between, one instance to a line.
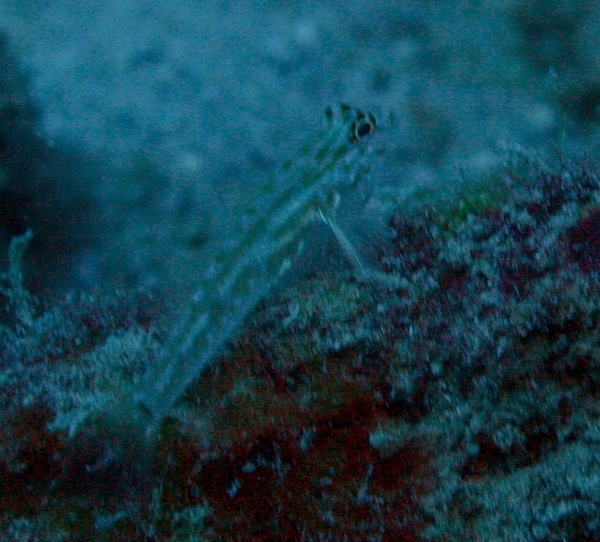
(583,241)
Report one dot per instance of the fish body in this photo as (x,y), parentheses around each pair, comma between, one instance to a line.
(250,263)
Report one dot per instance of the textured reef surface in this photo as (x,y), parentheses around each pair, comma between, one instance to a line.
(462,403)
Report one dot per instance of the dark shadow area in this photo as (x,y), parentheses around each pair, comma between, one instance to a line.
(47,189)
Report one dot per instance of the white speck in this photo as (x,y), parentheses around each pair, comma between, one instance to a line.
(305,33)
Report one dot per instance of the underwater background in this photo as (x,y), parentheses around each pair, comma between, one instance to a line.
(459,403)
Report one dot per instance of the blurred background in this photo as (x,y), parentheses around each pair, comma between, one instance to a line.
(129,128)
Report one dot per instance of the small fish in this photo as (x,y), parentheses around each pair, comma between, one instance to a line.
(264,244)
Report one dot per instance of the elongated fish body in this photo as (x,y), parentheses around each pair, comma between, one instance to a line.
(260,251)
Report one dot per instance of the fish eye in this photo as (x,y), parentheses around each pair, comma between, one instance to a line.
(363,127)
